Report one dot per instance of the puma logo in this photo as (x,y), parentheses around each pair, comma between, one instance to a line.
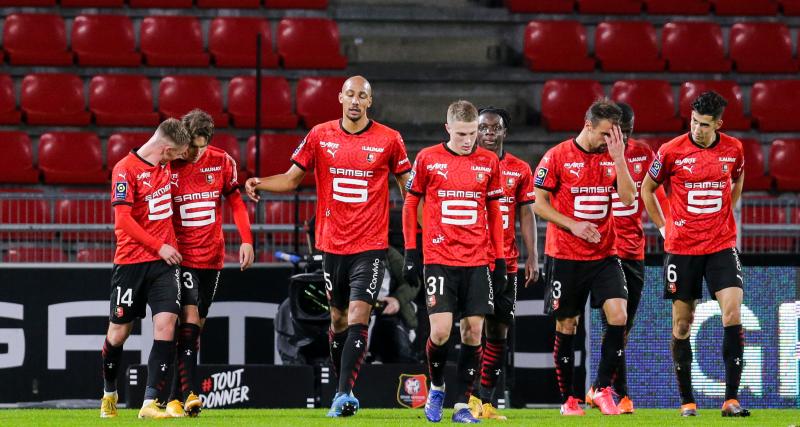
(444,174)
(332,152)
(689,168)
(147,184)
(574,172)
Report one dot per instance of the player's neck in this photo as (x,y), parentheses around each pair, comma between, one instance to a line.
(150,152)
(581,141)
(451,146)
(354,126)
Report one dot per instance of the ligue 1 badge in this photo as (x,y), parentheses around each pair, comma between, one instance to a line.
(412,390)
(480,176)
(209,178)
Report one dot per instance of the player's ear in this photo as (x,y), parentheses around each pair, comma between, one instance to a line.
(587,124)
(447,127)
(341,98)
(718,124)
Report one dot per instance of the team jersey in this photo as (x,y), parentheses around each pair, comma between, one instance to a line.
(352,172)
(455,189)
(147,189)
(197,197)
(628,219)
(700,201)
(581,185)
(517,182)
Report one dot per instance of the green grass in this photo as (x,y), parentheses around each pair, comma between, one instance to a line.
(387,417)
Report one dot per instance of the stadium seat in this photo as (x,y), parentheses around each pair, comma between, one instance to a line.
(230,144)
(104,255)
(540,6)
(120,144)
(182,4)
(232,42)
(627,46)
(745,7)
(296,4)
(228,4)
(784,157)
(35,254)
(318,99)
(173,41)
(564,103)
(177,95)
(276,152)
(24,209)
(611,7)
(85,206)
(734,118)
(54,99)
(762,47)
(655,142)
(790,7)
(310,43)
(677,7)
(276,103)
(694,47)
(71,158)
(652,102)
(105,40)
(122,100)
(9,114)
(16,163)
(283,212)
(26,3)
(755,177)
(772,105)
(35,39)
(92,3)
(763,210)
(557,46)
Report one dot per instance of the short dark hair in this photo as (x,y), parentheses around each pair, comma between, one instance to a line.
(627,112)
(710,104)
(603,109)
(504,115)
(175,131)
(199,123)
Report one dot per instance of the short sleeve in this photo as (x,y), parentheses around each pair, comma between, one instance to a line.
(546,176)
(231,175)
(400,163)
(121,189)
(417,182)
(494,188)
(738,167)
(525,194)
(303,155)
(660,167)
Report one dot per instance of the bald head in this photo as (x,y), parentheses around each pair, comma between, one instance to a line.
(357,83)
(356,98)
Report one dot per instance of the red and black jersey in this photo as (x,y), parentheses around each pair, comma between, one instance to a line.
(581,185)
(197,196)
(628,219)
(147,189)
(455,189)
(700,201)
(352,172)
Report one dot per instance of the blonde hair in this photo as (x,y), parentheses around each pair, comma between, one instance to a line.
(462,111)
(175,131)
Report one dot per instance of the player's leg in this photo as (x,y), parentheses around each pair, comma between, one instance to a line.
(441,301)
(116,336)
(188,332)
(468,366)
(338,302)
(189,336)
(634,278)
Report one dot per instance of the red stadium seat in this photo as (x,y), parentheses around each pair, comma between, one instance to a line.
(228,4)
(318,99)
(564,103)
(627,46)
(21,3)
(540,6)
(655,142)
(232,41)
(104,255)
(173,41)
(92,3)
(694,47)
(784,156)
(557,46)
(177,95)
(734,118)
(35,254)
(791,7)
(757,209)
(31,208)
(9,115)
(276,152)
(54,99)
(652,103)
(296,4)
(276,103)
(120,144)
(105,40)
(612,7)
(283,212)
(36,39)
(182,4)
(71,158)
(122,100)
(755,177)
(745,7)
(762,47)
(310,43)
(16,163)
(84,206)
(230,144)
(772,105)
(677,7)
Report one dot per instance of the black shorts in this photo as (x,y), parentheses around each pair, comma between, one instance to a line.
(133,286)
(199,288)
(569,283)
(683,274)
(634,277)
(505,303)
(355,277)
(463,291)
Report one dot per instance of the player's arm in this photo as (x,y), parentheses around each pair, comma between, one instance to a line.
(495,217)
(125,222)
(583,229)
(412,261)
(626,188)
(527,222)
(736,191)
(242,221)
(281,183)
(402,181)
(649,188)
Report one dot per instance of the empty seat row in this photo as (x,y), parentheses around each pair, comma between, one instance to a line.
(170,41)
(755,47)
(244,4)
(658,7)
(127,100)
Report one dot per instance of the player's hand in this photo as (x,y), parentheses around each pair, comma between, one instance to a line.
(246,256)
(411,266)
(499,277)
(616,148)
(586,231)
(170,255)
(531,270)
(392,305)
(250,189)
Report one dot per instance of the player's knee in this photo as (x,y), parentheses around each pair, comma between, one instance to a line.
(682,326)
(618,318)
(731,317)
(164,328)
(190,316)
(471,336)
(495,329)
(567,325)
(116,336)
(440,334)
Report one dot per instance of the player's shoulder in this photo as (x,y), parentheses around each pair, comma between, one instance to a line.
(675,144)
(382,129)
(130,161)
(559,149)
(730,141)
(511,161)
(638,148)
(324,128)
(483,153)
(432,150)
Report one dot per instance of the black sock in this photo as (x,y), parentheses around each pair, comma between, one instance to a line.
(682,362)
(437,357)
(621,378)
(162,354)
(732,353)
(355,348)
(188,335)
(611,352)
(111,358)
(494,356)
(336,342)
(564,358)
(468,359)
